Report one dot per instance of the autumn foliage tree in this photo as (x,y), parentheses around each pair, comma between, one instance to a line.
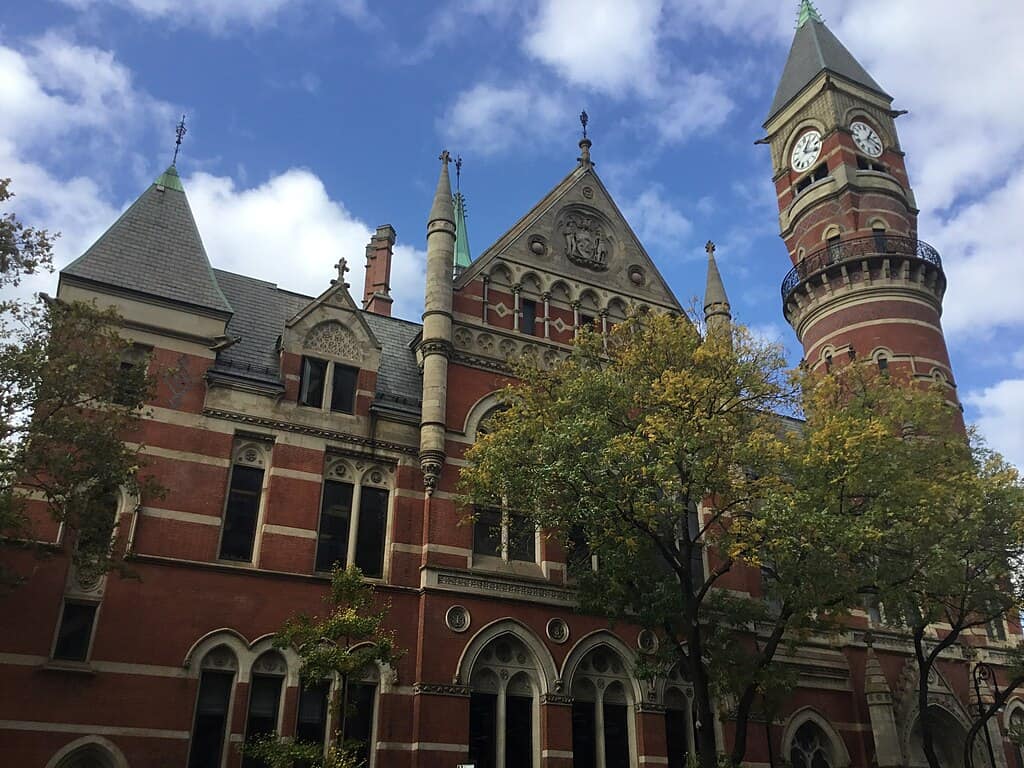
(662,452)
(67,401)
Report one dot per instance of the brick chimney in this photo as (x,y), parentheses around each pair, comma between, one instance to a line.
(377,286)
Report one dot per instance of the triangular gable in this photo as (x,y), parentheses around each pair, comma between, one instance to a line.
(578,233)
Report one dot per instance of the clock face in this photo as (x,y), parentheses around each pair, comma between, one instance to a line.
(806,151)
(864,136)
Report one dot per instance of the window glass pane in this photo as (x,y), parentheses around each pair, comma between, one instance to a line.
(211,717)
(75,631)
(487,532)
(343,389)
(241,513)
(264,698)
(675,737)
(483,715)
(312,722)
(373,520)
(359,718)
(518,731)
(616,736)
(311,386)
(584,743)
(522,539)
(335,516)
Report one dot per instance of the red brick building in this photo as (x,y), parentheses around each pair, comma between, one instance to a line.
(293,432)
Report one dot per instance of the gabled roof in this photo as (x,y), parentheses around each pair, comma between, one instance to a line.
(816,49)
(154,249)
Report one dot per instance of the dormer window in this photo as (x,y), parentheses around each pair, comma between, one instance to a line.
(313,385)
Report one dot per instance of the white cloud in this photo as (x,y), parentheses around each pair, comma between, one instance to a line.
(657,222)
(216,15)
(1000,411)
(490,118)
(288,230)
(606,45)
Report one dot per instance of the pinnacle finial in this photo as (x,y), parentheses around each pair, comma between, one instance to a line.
(807,12)
(179,134)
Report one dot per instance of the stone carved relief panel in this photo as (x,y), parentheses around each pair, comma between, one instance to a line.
(334,340)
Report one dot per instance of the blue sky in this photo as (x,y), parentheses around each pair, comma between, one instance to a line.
(312,121)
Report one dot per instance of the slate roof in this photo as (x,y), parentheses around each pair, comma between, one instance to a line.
(814,49)
(156,237)
(261,311)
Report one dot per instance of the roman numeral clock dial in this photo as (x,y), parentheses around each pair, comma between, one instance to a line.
(805,151)
(866,139)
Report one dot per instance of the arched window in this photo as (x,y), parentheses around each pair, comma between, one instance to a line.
(265,686)
(216,683)
(601,722)
(810,747)
(503,706)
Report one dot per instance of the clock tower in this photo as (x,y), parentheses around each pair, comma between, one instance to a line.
(863,286)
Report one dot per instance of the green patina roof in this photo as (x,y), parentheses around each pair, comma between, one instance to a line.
(462,256)
(154,249)
(807,12)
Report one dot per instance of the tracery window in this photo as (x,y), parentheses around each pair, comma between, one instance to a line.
(602,727)
(503,706)
(353,519)
(216,684)
(810,747)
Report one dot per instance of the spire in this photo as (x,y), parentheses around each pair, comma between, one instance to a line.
(462,255)
(717,313)
(442,209)
(807,12)
(815,49)
(154,249)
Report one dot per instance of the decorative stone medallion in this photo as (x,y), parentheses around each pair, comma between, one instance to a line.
(647,641)
(558,630)
(457,618)
(586,237)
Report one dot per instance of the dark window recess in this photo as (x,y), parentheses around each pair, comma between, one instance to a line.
(311,386)
(264,701)
(522,539)
(584,735)
(312,720)
(373,520)
(675,737)
(241,513)
(343,389)
(518,731)
(487,532)
(359,717)
(335,517)
(483,729)
(211,718)
(878,235)
(75,631)
(616,736)
(528,316)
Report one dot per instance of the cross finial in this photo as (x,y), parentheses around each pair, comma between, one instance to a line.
(458,172)
(710,248)
(584,119)
(342,267)
(179,134)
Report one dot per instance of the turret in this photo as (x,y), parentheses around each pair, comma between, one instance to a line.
(863,286)
(436,342)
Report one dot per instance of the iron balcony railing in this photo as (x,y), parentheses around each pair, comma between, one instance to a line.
(855,249)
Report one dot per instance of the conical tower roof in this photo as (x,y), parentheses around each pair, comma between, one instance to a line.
(814,50)
(154,249)
(462,256)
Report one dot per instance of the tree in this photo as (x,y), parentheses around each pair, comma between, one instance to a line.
(68,398)
(340,646)
(656,447)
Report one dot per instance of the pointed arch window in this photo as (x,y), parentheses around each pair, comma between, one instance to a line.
(503,706)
